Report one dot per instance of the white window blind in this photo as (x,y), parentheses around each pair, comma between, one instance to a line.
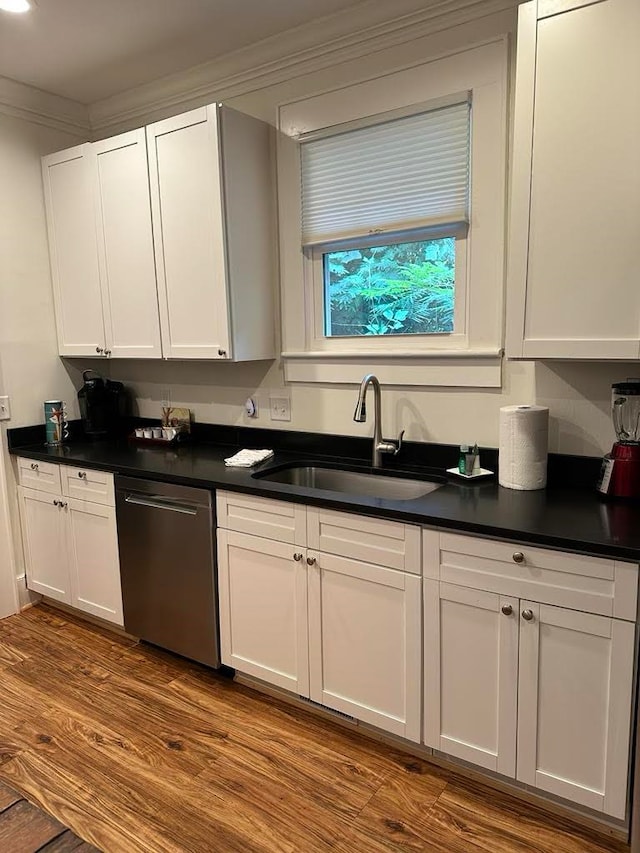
(405,173)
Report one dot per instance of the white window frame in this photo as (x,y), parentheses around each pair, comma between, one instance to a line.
(471,355)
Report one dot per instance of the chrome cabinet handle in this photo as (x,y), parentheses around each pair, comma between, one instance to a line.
(311,561)
(34,466)
(527,615)
(57,503)
(82,475)
(99,350)
(518,557)
(222,353)
(297,557)
(507,609)
(64,504)
(107,352)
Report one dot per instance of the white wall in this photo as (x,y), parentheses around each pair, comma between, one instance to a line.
(30,370)
(577,394)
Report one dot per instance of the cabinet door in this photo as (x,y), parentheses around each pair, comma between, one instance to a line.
(125,246)
(44,531)
(188,227)
(94,560)
(471,675)
(574,705)
(576,181)
(263,609)
(364,642)
(73,251)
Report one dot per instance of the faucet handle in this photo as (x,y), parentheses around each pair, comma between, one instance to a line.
(391,446)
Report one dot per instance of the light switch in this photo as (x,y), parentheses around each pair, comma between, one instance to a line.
(280,408)
(5,409)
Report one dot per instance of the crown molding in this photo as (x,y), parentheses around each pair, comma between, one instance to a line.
(311,47)
(26,102)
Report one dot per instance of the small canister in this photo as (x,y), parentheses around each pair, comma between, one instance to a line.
(55,420)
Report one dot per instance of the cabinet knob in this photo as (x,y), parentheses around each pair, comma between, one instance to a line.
(64,504)
(297,557)
(82,475)
(222,353)
(57,503)
(34,466)
(518,557)
(507,609)
(107,352)
(311,561)
(99,350)
(527,615)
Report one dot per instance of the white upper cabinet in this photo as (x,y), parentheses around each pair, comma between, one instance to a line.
(161,241)
(575,218)
(125,246)
(73,251)
(211,195)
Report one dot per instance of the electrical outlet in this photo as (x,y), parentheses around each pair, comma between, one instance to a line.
(5,409)
(280,408)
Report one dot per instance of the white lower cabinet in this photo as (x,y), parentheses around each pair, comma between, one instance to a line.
(471,675)
(532,691)
(364,642)
(45,537)
(263,609)
(574,705)
(342,631)
(71,549)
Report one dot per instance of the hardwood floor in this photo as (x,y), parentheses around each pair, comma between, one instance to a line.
(136,750)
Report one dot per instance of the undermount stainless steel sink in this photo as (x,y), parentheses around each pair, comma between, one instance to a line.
(347,481)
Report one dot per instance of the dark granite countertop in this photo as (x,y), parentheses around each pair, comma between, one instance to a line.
(572,519)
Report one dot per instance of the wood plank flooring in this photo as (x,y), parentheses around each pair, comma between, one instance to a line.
(136,750)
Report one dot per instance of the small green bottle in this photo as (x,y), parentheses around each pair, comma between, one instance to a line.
(462,461)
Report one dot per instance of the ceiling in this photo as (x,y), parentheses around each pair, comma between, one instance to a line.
(87,50)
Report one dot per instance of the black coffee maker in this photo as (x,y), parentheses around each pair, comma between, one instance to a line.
(102,405)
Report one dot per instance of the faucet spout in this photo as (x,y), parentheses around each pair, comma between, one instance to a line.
(360,416)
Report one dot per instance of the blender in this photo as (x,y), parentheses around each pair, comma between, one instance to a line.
(620,473)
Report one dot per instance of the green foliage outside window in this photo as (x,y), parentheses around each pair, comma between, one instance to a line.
(399,289)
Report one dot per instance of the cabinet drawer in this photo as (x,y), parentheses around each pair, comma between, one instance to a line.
(590,584)
(87,485)
(279,520)
(372,540)
(44,476)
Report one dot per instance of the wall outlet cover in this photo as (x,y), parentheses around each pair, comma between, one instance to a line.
(280,408)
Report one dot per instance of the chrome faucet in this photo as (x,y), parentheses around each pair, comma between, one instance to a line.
(380,446)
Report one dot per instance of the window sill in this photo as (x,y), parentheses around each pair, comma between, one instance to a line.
(480,368)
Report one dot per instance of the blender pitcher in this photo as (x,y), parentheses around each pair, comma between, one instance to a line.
(620,473)
(625,405)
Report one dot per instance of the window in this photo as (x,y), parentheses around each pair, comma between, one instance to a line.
(391,201)
(388,178)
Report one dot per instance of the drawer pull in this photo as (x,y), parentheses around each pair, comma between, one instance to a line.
(518,557)
(34,466)
(297,557)
(57,503)
(507,609)
(527,615)
(82,475)
(311,561)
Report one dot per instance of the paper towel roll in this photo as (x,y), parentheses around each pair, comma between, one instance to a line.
(524,441)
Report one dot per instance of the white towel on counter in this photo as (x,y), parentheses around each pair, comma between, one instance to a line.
(247,458)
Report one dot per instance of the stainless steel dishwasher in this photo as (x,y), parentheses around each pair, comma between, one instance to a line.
(167,566)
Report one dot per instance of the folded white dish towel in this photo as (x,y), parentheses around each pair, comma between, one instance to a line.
(247,458)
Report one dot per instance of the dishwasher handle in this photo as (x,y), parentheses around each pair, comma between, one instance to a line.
(162,503)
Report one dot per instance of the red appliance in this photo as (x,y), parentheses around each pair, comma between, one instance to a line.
(620,473)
